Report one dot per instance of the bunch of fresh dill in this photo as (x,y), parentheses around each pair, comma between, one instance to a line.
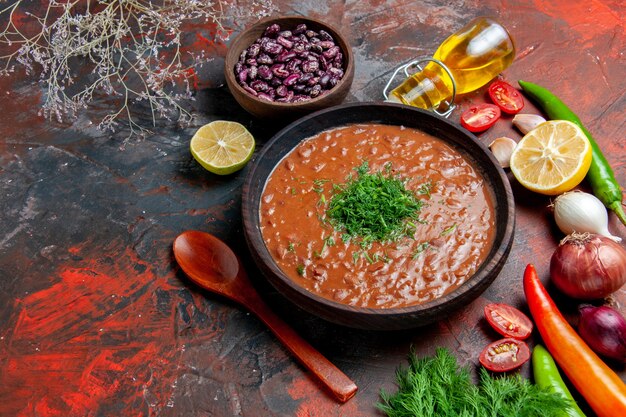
(437,387)
(373,207)
(138,51)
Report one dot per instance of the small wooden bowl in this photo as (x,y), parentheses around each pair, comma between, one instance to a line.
(367,318)
(290,111)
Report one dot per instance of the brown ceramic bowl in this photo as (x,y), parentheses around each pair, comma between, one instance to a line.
(290,111)
(367,318)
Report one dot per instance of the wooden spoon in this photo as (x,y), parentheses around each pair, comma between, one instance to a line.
(212,265)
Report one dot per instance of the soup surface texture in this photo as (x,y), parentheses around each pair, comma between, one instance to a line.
(441,247)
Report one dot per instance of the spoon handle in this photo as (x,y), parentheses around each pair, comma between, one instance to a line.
(342,387)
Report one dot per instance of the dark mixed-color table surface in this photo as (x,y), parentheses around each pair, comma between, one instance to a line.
(97,319)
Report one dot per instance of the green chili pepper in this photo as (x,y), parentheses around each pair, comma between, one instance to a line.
(547,376)
(600,175)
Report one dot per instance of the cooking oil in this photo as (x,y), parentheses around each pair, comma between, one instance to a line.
(474,56)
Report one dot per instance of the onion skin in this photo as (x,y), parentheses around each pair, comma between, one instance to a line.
(588,266)
(604,330)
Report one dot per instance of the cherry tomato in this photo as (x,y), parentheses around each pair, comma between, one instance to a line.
(504,355)
(508,321)
(506,97)
(480,117)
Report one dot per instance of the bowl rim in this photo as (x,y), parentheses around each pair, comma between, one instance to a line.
(495,258)
(231,59)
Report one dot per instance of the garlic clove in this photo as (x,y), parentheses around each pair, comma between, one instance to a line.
(502,149)
(527,122)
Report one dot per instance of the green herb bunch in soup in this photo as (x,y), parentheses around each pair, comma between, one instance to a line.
(374,207)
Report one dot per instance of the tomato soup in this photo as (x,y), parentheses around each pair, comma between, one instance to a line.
(449,238)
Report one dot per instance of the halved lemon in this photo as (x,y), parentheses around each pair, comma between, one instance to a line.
(552,158)
(222,147)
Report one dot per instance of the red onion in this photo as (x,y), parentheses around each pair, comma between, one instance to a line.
(588,266)
(604,330)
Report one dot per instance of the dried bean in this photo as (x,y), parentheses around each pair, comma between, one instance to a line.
(284,42)
(254,50)
(293,65)
(313,81)
(263,41)
(323,64)
(317,48)
(249,89)
(301,28)
(331,53)
(280,71)
(310,66)
(337,72)
(281,91)
(259,85)
(264,59)
(264,96)
(291,79)
(286,56)
(265,72)
(316,90)
(305,78)
(273,48)
(242,76)
(325,35)
(272,30)
(287,98)
(324,79)
(253,72)
(299,46)
(290,65)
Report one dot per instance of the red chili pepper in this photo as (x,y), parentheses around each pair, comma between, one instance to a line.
(602,388)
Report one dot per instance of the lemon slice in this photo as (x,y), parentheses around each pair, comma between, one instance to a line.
(552,158)
(222,147)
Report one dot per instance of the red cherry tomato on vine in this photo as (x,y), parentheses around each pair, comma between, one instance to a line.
(506,97)
(508,321)
(480,117)
(504,355)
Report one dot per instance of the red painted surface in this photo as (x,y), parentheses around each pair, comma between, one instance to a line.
(95,317)
(588,19)
(80,341)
